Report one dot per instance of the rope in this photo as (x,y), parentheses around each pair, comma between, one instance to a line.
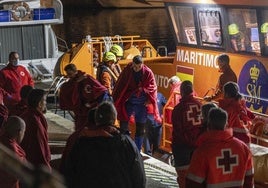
(108,43)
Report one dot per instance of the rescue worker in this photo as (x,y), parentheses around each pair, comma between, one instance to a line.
(239,40)
(187,126)
(81,93)
(220,160)
(239,117)
(264,31)
(12,78)
(107,159)
(227,74)
(204,111)
(104,73)
(135,88)
(118,52)
(12,136)
(175,84)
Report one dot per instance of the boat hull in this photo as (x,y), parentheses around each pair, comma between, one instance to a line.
(131,3)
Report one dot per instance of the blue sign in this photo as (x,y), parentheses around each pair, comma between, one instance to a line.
(253,83)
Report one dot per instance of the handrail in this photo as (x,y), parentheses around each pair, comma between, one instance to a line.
(64,46)
(166,124)
(253,97)
(116,37)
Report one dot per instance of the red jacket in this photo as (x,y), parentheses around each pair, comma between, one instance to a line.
(12,78)
(226,76)
(174,88)
(35,141)
(220,161)
(186,121)
(7,180)
(79,91)
(237,113)
(80,94)
(19,108)
(126,86)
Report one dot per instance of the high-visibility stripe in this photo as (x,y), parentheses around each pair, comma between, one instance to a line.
(240,130)
(226,184)
(195,178)
(249,172)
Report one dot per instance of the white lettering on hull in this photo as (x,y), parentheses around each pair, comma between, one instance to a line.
(197,58)
(161,81)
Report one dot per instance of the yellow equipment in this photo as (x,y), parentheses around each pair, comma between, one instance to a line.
(87,55)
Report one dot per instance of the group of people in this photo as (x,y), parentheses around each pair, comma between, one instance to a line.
(133,92)
(97,104)
(23,126)
(210,142)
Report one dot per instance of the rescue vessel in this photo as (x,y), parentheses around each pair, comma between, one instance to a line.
(131,3)
(203,30)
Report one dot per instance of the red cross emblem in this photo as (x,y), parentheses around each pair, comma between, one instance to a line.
(193,114)
(227,161)
(88,88)
(22,73)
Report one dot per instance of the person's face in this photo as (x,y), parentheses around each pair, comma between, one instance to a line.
(221,65)
(14,60)
(217,33)
(70,73)
(43,105)
(109,63)
(137,67)
(118,58)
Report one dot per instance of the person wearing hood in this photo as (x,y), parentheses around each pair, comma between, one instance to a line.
(81,93)
(104,157)
(135,88)
(239,116)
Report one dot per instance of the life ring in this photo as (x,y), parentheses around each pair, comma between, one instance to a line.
(21,12)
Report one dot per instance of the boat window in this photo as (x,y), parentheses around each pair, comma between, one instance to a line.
(210,28)
(183,22)
(264,32)
(28,41)
(243,30)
